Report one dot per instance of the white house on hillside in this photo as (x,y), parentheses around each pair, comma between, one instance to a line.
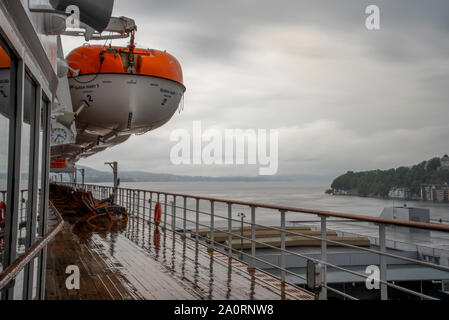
(445,162)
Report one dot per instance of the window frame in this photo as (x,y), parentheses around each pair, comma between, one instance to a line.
(39,118)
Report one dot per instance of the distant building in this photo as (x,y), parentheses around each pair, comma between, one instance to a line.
(445,162)
(407,213)
(340,192)
(399,193)
(435,192)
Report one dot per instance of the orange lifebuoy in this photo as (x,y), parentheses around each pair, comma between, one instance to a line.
(2,214)
(157,214)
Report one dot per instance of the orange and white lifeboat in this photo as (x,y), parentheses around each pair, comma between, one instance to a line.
(127,90)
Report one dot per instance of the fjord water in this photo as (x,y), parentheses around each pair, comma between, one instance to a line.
(307,195)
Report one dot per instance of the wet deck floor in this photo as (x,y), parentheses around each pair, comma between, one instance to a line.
(144,262)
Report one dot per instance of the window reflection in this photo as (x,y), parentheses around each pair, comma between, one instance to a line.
(24,196)
(5,94)
(29,106)
(5,80)
(17,173)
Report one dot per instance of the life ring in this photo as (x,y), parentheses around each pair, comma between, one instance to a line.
(157,214)
(2,214)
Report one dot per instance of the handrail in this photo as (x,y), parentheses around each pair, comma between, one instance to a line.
(132,197)
(385,221)
(392,285)
(11,272)
(300,234)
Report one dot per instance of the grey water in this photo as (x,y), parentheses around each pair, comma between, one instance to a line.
(307,195)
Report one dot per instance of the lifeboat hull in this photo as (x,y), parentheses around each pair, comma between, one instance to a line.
(124,103)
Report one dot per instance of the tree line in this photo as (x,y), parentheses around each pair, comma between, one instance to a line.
(379,182)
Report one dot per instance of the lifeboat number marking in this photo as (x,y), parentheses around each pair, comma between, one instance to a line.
(89,98)
(166,96)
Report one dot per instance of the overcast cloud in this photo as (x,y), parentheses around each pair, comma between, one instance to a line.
(343,97)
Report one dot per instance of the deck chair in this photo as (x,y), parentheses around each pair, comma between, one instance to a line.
(100,208)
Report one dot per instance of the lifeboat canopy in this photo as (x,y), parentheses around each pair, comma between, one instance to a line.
(119,60)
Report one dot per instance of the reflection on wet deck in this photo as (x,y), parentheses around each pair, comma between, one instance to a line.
(139,261)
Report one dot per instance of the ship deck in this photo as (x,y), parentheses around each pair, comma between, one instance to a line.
(141,261)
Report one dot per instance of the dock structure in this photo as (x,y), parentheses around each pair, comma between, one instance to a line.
(142,261)
(296,236)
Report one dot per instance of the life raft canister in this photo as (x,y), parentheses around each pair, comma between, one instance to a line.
(2,214)
(157,214)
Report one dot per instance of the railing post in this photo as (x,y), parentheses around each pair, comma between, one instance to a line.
(158,201)
(212,225)
(165,211)
(184,224)
(242,217)
(128,202)
(132,202)
(383,262)
(151,206)
(252,264)
(197,220)
(230,228)
(138,203)
(144,204)
(323,294)
(283,245)
(136,207)
(173,214)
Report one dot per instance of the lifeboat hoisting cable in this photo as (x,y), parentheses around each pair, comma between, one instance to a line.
(131,57)
(96,75)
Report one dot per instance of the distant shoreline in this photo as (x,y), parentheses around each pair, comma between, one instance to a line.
(387,198)
(97,176)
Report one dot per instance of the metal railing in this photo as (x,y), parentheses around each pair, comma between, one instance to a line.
(22,217)
(13,270)
(190,214)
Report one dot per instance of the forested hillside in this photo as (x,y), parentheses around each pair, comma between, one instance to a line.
(379,182)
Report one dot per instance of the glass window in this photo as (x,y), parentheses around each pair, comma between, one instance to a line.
(5,114)
(41,181)
(39,168)
(26,158)
(29,106)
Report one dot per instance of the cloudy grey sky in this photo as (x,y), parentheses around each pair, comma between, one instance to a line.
(343,97)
